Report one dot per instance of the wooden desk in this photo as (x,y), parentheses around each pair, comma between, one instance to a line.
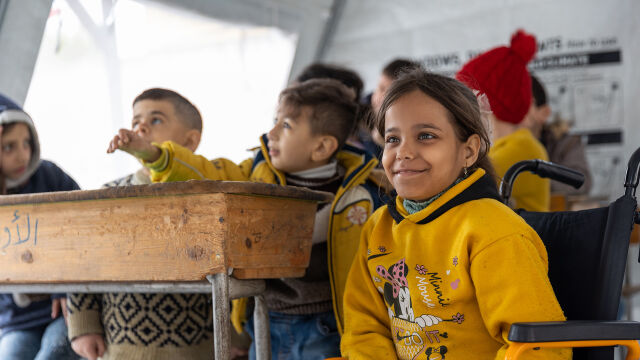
(159,238)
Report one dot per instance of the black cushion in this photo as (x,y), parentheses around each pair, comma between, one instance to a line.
(573,240)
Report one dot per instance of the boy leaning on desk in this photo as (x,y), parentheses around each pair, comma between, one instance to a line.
(306,147)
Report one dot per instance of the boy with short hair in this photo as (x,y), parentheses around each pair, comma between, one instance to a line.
(147,326)
(306,147)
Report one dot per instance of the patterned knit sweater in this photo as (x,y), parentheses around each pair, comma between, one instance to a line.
(144,326)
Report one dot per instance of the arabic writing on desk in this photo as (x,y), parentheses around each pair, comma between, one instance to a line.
(18,238)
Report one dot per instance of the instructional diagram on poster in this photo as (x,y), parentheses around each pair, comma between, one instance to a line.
(584,83)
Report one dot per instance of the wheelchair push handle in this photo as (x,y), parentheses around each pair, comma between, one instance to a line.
(543,169)
(633,174)
(560,173)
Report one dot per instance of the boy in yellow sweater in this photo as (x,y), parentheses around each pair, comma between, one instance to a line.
(501,74)
(445,268)
(306,147)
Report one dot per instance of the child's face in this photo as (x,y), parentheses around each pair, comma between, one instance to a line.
(422,155)
(16,151)
(291,143)
(537,116)
(156,121)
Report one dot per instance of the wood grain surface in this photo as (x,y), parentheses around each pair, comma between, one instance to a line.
(172,232)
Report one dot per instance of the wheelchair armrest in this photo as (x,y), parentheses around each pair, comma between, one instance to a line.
(577,330)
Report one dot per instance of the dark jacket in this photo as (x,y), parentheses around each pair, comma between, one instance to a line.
(41,176)
(569,151)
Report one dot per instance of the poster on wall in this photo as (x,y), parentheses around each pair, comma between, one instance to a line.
(584,81)
(585,48)
(585,85)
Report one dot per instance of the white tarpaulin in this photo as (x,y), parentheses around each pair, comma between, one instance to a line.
(585,58)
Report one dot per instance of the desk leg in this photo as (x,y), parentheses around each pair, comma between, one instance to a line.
(221,317)
(262,333)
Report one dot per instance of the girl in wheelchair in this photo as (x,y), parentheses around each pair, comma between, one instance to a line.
(444,268)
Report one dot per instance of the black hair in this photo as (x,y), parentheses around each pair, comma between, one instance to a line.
(334,111)
(538,92)
(397,66)
(347,77)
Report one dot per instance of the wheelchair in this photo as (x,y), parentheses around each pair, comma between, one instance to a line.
(587,253)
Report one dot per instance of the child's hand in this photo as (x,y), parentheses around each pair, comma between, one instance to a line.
(89,346)
(130,142)
(59,306)
(237,352)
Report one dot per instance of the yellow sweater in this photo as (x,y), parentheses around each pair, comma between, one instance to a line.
(355,200)
(530,192)
(447,280)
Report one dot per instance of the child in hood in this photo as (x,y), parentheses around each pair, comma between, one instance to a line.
(30,325)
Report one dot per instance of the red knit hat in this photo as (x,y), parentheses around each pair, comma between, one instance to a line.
(501,73)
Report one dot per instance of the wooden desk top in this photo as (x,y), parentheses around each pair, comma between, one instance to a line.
(161,232)
(192,187)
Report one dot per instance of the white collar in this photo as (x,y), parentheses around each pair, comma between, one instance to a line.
(320,172)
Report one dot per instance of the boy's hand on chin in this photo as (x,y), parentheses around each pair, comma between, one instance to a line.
(130,142)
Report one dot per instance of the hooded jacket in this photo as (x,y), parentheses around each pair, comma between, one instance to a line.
(448,279)
(21,311)
(355,200)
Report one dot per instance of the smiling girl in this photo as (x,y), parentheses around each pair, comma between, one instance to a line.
(445,267)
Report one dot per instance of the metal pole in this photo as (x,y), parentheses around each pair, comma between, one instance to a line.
(261,329)
(221,317)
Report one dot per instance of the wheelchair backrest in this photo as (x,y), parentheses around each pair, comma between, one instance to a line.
(587,252)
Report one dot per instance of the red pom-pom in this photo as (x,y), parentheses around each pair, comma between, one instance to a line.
(524,45)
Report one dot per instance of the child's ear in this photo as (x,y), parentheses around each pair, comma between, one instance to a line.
(326,146)
(192,139)
(471,149)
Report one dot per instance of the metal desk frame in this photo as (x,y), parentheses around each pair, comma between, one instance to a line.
(230,200)
(223,288)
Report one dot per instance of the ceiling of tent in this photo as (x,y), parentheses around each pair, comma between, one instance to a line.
(22,24)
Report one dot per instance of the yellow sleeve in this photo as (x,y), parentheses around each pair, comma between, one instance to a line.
(366,334)
(177,163)
(510,277)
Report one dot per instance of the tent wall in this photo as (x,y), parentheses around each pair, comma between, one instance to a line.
(23,22)
(586,57)
(308,19)
(21,27)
